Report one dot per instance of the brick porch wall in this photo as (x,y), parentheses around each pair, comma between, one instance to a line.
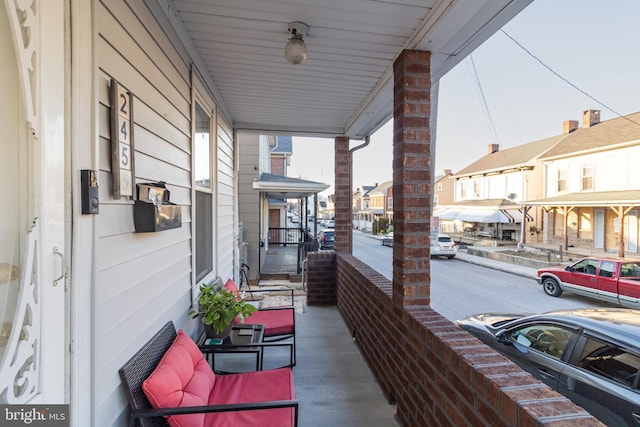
(321,278)
(438,374)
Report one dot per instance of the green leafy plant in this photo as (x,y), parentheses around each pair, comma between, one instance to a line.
(218,308)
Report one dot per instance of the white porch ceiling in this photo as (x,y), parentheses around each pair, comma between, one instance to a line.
(345,87)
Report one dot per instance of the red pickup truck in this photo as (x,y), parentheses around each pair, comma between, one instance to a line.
(612,280)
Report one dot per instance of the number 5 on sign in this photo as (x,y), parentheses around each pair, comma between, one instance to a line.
(121,140)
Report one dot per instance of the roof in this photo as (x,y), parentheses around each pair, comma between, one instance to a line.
(595,198)
(604,135)
(366,189)
(524,155)
(345,88)
(381,188)
(284,187)
(284,145)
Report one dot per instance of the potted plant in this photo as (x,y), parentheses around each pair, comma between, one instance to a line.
(218,308)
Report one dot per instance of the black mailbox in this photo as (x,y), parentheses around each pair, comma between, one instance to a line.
(153,211)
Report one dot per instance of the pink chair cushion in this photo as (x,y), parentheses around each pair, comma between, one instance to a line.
(182,378)
(230,285)
(275,321)
(260,386)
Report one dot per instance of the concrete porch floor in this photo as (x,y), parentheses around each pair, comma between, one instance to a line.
(334,385)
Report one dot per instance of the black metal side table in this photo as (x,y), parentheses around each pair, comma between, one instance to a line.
(240,341)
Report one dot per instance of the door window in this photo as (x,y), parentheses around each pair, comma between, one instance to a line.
(587,266)
(611,361)
(606,268)
(549,339)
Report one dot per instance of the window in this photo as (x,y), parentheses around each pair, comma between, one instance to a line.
(390,201)
(630,269)
(204,195)
(435,200)
(610,361)
(587,177)
(549,339)
(587,266)
(439,186)
(606,268)
(562,180)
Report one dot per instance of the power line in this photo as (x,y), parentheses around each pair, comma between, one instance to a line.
(483,99)
(566,80)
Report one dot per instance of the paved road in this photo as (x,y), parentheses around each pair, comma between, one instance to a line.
(461,288)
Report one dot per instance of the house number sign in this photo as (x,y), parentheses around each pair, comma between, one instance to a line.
(121,140)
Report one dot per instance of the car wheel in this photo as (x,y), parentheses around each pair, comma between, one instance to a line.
(551,287)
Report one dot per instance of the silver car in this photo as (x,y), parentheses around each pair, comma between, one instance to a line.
(444,246)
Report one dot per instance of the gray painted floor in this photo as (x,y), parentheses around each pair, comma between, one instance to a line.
(333,383)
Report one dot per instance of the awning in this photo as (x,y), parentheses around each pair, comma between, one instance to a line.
(444,213)
(484,215)
(487,216)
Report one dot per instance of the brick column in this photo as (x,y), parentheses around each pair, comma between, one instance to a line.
(343,194)
(411,178)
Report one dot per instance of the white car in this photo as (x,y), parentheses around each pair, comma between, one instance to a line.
(444,246)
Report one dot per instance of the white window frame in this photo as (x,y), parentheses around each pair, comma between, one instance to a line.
(561,178)
(197,277)
(590,178)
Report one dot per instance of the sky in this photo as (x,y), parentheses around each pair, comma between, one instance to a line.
(592,45)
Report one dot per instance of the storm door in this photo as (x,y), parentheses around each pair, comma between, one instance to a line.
(598,239)
(632,231)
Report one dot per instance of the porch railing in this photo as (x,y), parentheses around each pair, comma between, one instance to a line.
(287,236)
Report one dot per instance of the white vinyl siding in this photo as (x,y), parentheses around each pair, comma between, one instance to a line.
(616,170)
(226,234)
(141,280)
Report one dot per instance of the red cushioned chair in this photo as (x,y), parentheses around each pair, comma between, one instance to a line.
(279,322)
(169,381)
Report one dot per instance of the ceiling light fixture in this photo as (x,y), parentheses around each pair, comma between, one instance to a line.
(295,50)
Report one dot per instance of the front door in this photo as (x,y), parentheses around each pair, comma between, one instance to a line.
(598,241)
(632,231)
(32,221)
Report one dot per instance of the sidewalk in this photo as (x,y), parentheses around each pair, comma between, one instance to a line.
(497,265)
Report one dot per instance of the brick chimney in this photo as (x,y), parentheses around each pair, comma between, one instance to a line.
(493,148)
(569,126)
(447,172)
(590,118)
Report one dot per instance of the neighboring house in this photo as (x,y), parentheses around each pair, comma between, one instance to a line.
(443,189)
(362,216)
(281,155)
(281,149)
(488,193)
(592,185)
(326,208)
(379,200)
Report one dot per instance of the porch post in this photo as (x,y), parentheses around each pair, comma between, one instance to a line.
(342,201)
(412,178)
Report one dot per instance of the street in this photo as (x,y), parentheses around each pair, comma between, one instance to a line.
(459,288)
